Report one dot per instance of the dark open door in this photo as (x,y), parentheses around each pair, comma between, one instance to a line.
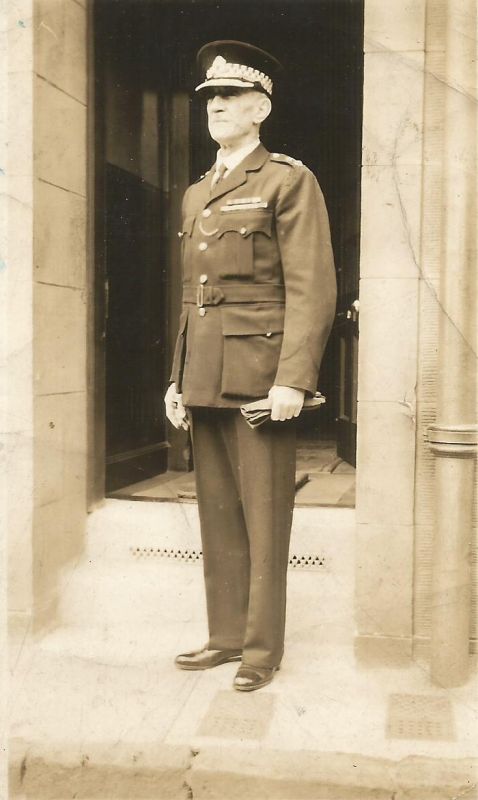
(136,445)
(347,340)
(346,215)
(131,253)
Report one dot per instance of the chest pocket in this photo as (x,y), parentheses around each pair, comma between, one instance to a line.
(185,237)
(238,232)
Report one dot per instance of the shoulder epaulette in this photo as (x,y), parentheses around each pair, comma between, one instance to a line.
(283,159)
(202,176)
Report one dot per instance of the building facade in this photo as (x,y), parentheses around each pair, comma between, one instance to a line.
(416,544)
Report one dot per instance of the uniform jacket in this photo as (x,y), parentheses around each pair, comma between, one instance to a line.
(259,286)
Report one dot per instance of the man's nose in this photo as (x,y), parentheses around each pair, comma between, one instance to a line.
(216,103)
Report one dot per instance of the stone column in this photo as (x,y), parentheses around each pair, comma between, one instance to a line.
(44,281)
(388,347)
(16,182)
(453,437)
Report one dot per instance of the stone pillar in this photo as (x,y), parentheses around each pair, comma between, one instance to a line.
(389,282)
(453,437)
(16,334)
(61,283)
(46,282)
(17,292)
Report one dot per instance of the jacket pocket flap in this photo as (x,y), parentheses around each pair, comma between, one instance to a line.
(245,223)
(251,320)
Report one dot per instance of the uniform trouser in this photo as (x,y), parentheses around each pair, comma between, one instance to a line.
(245,487)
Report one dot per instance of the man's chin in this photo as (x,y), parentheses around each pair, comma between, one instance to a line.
(219,134)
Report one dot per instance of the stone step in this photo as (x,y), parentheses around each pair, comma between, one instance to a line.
(144,556)
(111,607)
(120,529)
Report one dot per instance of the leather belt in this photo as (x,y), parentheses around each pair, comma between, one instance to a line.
(248,293)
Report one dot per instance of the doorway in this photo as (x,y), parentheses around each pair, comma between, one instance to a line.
(152,142)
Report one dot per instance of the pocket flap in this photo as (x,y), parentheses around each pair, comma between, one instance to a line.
(251,320)
(245,222)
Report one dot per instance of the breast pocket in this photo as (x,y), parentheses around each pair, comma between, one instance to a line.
(186,250)
(238,233)
(252,343)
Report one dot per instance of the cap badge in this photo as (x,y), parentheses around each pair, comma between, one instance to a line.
(216,67)
(222,69)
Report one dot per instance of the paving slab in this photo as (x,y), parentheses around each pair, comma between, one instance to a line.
(91,728)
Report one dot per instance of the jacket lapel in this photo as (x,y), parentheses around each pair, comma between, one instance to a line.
(238,176)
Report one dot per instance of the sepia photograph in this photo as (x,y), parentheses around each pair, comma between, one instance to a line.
(239,288)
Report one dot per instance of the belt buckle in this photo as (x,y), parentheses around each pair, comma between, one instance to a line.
(200,295)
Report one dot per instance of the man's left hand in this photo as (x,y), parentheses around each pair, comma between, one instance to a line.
(285,402)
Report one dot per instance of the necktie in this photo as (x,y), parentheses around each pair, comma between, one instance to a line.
(218,175)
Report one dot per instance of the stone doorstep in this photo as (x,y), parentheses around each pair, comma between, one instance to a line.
(39,771)
(117,527)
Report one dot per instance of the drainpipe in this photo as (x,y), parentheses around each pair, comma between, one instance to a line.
(453,439)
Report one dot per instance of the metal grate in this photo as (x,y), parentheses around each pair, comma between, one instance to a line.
(229,717)
(417,716)
(188,556)
(308,561)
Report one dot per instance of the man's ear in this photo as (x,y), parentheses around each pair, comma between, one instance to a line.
(264,108)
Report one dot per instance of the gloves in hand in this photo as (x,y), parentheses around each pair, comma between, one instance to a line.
(175,411)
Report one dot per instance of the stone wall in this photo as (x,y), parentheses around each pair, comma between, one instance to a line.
(401,258)
(17,402)
(47,173)
(431,255)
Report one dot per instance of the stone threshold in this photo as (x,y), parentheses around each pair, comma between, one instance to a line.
(118,771)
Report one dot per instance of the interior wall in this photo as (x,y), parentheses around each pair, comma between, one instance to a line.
(389,291)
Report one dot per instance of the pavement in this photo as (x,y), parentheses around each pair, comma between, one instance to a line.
(98,710)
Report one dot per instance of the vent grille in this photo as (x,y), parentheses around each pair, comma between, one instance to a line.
(307,561)
(189,556)
(414,716)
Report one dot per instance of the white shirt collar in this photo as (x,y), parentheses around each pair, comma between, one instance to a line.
(235,158)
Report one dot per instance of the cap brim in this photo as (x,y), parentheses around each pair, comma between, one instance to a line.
(226,82)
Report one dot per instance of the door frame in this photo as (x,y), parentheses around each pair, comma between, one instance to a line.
(96,247)
(96,136)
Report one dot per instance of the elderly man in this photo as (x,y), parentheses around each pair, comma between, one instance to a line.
(258,304)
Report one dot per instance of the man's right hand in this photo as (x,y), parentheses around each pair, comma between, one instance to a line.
(175,411)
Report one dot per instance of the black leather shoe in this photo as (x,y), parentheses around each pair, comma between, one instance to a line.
(206,659)
(250,678)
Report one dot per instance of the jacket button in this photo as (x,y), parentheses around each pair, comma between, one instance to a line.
(203,279)
(202,312)
(243,231)
(202,246)
(269,333)
(207,212)
(180,234)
